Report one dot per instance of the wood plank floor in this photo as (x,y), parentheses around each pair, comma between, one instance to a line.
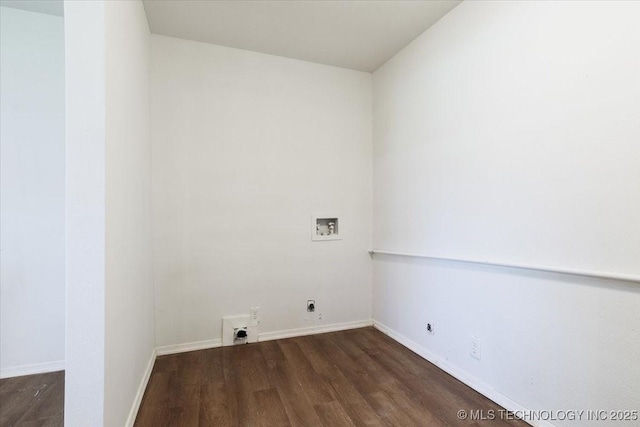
(32,400)
(358,377)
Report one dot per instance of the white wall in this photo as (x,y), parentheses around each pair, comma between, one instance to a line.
(246,147)
(516,132)
(110,339)
(32,207)
(129,287)
(511,131)
(85,215)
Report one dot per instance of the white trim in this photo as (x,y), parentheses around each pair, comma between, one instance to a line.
(266,336)
(37,368)
(473,382)
(575,272)
(189,346)
(141,389)
(277,335)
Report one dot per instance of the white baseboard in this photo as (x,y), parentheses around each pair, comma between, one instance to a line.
(38,368)
(473,382)
(141,389)
(290,333)
(266,336)
(189,346)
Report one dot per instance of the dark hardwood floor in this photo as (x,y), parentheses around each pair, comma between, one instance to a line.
(32,400)
(351,378)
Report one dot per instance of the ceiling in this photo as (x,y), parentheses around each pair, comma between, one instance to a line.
(50,7)
(357,34)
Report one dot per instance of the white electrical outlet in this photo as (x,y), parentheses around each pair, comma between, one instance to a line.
(476,350)
(431,328)
(319,317)
(254,315)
